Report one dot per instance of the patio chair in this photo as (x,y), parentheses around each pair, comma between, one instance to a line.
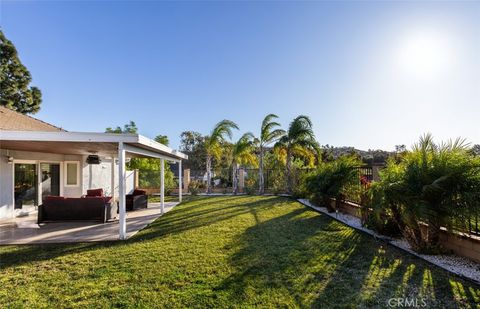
(138,199)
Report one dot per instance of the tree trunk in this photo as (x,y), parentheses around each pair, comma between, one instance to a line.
(261,181)
(209,174)
(289,172)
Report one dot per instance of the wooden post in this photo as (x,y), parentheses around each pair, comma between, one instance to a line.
(241,180)
(186,179)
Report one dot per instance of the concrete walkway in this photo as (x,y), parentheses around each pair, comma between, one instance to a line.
(25,230)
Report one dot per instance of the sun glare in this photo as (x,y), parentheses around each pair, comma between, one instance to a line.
(424,55)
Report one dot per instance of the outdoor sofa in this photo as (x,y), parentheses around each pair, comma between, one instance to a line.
(92,207)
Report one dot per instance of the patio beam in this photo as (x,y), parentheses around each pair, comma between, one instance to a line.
(121,192)
(162,186)
(147,153)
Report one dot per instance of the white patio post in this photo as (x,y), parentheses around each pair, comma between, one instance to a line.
(180,183)
(162,186)
(121,192)
(112,180)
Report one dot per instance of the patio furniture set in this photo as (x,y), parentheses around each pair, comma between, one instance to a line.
(94,206)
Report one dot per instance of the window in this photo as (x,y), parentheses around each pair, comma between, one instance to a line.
(72,174)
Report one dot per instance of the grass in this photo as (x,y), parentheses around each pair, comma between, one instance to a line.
(228,252)
(168,198)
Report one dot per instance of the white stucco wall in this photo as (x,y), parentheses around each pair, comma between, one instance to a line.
(96,176)
(6,186)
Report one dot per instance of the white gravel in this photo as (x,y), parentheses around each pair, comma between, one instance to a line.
(453,263)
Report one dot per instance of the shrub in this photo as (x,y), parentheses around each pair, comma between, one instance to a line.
(331,179)
(251,184)
(195,186)
(299,189)
(428,189)
(278,181)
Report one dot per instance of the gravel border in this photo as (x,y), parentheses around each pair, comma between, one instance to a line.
(454,264)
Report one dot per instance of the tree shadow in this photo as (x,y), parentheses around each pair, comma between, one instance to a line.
(295,253)
(186,216)
(312,261)
(291,256)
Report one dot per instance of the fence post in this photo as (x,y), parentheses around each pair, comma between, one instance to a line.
(135,178)
(375,172)
(241,179)
(186,179)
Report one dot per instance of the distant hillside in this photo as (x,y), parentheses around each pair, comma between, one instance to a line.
(368,156)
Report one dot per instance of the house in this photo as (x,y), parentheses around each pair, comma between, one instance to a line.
(38,159)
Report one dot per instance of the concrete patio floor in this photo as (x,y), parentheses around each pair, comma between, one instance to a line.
(25,230)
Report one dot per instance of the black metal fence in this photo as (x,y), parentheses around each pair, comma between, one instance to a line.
(468,222)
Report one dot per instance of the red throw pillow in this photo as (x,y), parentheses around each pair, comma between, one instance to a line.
(95,192)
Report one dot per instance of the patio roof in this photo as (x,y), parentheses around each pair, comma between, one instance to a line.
(85,143)
(106,144)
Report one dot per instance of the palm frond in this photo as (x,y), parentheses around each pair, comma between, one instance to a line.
(222,129)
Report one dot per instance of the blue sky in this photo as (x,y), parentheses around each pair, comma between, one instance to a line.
(369,74)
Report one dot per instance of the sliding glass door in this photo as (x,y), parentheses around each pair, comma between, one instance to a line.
(50,179)
(25,181)
(27,186)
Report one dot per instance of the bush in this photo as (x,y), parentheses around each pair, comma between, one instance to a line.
(195,186)
(251,184)
(299,189)
(278,181)
(428,189)
(331,179)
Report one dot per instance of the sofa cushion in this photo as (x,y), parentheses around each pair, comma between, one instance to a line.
(139,192)
(53,198)
(95,192)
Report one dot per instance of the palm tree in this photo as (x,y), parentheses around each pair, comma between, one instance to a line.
(434,186)
(299,140)
(242,153)
(269,133)
(213,145)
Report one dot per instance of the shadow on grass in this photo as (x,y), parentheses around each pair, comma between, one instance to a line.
(189,215)
(311,261)
(290,257)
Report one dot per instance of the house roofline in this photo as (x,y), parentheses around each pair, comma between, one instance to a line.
(93,137)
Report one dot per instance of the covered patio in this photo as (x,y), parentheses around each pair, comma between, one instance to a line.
(25,230)
(117,147)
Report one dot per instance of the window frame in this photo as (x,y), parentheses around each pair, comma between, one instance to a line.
(77,163)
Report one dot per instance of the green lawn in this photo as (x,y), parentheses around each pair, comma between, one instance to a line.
(228,252)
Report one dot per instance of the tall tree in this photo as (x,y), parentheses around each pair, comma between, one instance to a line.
(162,139)
(298,141)
(149,167)
(269,133)
(15,92)
(213,145)
(242,154)
(130,127)
(193,144)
